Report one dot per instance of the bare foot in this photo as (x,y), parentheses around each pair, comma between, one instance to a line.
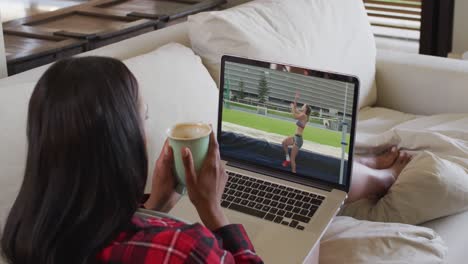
(398,166)
(403,160)
(385,178)
(382,161)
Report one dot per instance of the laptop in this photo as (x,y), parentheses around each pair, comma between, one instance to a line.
(286,135)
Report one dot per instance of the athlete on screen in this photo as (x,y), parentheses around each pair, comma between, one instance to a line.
(302,116)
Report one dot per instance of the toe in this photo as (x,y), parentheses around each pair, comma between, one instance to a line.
(401,158)
(392,154)
(406,158)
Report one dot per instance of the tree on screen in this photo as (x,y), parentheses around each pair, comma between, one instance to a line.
(242,94)
(263,90)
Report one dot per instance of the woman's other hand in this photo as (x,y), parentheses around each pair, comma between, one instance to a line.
(206,188)
(163,196)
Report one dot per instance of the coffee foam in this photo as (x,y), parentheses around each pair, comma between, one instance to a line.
(189,131)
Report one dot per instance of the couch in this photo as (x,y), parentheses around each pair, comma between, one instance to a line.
(406,82)
(3,65)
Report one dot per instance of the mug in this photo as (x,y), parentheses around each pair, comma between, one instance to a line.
(196,137)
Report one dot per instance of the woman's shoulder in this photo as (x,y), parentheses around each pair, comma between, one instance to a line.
(144,221)
(151,238)
(153,225)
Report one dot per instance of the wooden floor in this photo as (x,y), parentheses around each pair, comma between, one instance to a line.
(13,9)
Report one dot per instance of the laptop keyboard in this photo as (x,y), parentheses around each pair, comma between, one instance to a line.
(277,203)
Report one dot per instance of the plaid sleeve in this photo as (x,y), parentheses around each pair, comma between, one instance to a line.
(234,239)
(205,247)
(161,240)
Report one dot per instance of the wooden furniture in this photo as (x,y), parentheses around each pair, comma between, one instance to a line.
(38,40)
(25,51)
(163,10)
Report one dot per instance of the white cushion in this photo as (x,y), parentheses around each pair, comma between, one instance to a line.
(177,88)
(352,241)
(450,228)
(449,137)
(375,121)
(421,84)
(330,35)
(173,82)
(14,102)
(428,188)
(435,183)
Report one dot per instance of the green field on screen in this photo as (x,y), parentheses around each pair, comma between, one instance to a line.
(282,127)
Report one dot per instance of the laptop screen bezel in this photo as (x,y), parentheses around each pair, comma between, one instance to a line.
(289,176)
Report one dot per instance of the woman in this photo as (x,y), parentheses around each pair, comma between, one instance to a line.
(85,176)
(302,116)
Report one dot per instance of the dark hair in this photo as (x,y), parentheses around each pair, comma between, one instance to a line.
(308,110)
(86,165)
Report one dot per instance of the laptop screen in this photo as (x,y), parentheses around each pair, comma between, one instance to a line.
(287,119)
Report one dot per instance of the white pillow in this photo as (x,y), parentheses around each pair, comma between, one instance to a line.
(330,35)
(348,240)
(177,88)
(428,188)
(14,102)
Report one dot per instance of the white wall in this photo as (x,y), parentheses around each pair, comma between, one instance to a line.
(3,66)
(460,30)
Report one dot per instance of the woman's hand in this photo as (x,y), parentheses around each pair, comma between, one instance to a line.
(296,97)
(163,196)
(206,188)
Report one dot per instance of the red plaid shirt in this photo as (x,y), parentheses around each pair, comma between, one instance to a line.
(164,240)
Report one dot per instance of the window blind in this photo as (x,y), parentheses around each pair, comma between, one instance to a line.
(395,18)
